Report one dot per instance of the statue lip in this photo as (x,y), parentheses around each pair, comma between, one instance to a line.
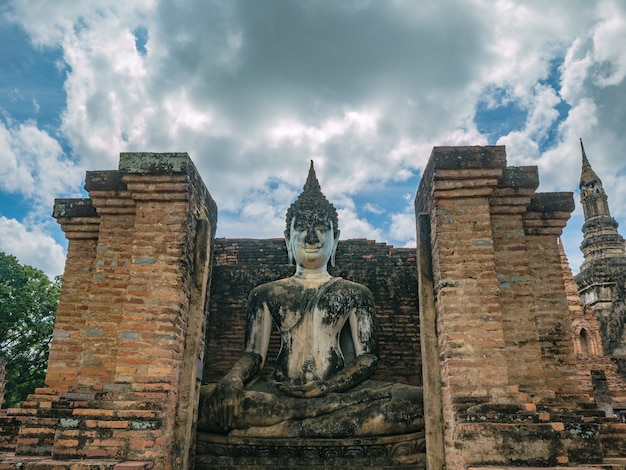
(313,249)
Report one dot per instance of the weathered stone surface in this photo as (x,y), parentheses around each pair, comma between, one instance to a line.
(320,385)
(501,309)
(122,379)
(71,208)
(217,451)
(103,180)
(155,163)
(390,273)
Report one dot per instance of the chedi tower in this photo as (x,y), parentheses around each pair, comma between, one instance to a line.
(602,277)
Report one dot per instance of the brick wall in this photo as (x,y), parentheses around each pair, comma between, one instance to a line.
(508,204)
(504,349)
(390,273)
(597,372)
(122,380)
(3,369)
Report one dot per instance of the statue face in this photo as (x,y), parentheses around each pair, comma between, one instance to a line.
(311,240)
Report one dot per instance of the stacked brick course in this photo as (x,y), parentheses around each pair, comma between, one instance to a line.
(122,380)
(505,358)
(598,374)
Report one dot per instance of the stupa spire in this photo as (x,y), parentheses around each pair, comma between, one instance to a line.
(587,175)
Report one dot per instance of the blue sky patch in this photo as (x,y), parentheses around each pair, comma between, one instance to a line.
(31,82)
(553,80)
(498,114)
(141,39)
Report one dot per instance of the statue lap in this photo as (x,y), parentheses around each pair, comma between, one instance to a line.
(372,408)
(382,426)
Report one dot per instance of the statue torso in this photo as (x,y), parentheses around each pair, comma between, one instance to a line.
(310,321)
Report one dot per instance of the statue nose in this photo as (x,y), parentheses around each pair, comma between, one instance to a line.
(311,237)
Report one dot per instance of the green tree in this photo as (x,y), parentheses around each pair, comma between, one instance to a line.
(28,304)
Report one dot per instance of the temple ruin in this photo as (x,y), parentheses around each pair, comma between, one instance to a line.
(481,315)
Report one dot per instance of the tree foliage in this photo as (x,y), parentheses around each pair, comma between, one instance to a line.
(28,304)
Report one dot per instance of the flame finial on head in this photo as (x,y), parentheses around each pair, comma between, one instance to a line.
(313,202)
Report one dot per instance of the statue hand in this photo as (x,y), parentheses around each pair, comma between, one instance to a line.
(226,402)
(313,389)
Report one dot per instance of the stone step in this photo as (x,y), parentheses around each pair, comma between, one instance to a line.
(602,466)
(9,461)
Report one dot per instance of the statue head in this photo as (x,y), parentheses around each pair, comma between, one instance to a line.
(312,217)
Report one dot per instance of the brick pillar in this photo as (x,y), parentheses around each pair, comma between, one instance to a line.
(508,205)
(128,341)
(81,224)
(462,180)
(543,223)
(454,192)
(109,280)
(498,302)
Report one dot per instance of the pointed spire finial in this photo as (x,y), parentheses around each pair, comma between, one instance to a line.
(312,202)
(582,148)
(311,181)
(587,175)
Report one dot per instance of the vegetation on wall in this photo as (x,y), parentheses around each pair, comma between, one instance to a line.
(28,304)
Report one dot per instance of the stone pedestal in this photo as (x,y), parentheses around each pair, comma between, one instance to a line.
(217,451)
(128,342)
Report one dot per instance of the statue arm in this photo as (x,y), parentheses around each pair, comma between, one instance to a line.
(226,398)
(365,341)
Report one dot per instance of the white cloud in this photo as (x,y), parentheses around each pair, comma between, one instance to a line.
(31,246)
(373,209)
(352,226)
(403,228)
(34,164)
(312,137)
(608,39)
(574,70)
(254,90)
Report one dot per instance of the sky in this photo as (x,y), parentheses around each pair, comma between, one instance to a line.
(253,90)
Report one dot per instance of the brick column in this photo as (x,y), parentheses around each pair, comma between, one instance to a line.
(499,308)
(128,341)
(454,192)
(543,224)
(81,225)
(109,281)
(508,205)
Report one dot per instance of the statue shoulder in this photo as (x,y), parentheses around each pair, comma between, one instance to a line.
(355,287)
(359,294)
(270,290)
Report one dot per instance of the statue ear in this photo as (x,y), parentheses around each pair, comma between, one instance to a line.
(289,253)
(332,255)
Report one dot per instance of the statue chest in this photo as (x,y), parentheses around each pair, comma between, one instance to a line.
(310,347)
(312,316)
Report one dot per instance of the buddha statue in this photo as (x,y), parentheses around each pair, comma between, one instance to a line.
(321,384)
